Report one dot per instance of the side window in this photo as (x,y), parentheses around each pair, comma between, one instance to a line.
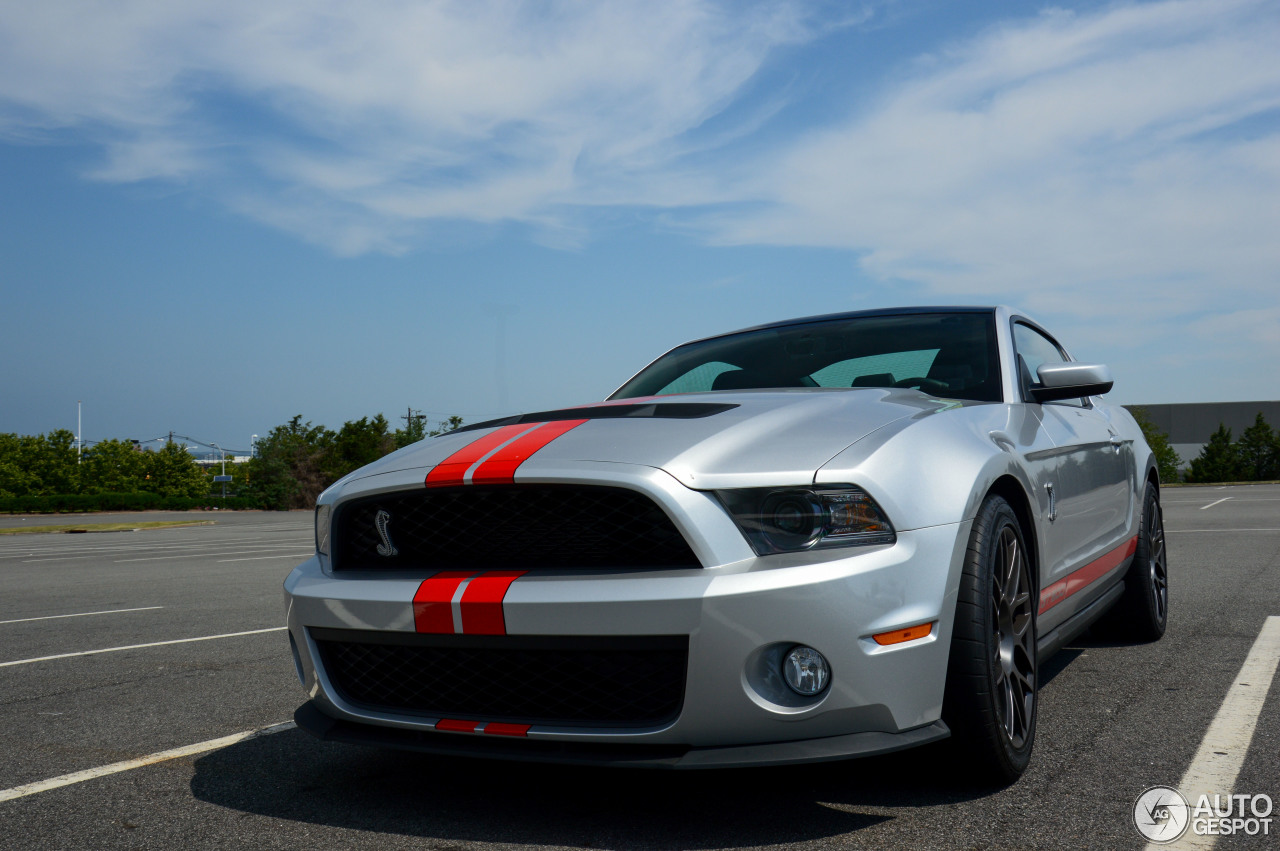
(1035,349)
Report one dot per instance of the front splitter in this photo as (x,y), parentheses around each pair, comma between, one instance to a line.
(326,728)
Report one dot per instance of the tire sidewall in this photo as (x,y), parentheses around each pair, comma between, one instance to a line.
(1147,623)
(974,712)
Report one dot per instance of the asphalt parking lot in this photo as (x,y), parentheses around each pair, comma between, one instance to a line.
(1115,718)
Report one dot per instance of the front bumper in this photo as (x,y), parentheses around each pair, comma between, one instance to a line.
(734,615)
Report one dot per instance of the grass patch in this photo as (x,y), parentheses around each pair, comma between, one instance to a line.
(103,527)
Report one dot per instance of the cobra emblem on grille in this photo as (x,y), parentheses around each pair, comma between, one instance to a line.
(381,520)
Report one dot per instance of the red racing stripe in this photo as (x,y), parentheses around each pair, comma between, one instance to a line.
(1085,576)
(500,468)
(482,603)
(454,726)
(451,470)
(494,728)
(433,603)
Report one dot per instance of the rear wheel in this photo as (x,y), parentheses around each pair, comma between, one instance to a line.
(992,673)
(1143,609)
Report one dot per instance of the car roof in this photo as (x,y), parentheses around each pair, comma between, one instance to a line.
(854,314)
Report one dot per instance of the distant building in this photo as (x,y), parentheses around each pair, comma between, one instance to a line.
(1189,424)
(215,460)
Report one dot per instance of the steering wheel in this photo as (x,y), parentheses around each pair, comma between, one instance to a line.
(925,385)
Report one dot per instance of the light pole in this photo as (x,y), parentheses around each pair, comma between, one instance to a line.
(222,478)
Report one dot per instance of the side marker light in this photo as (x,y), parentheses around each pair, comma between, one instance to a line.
(898,636)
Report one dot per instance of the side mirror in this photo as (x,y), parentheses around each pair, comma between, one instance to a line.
(1071,381)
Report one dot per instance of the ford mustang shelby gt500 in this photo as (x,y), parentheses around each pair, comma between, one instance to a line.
(822,538)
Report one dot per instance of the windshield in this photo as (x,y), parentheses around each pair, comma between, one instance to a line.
(952,355)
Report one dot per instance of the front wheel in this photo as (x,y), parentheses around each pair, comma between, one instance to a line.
(992,673)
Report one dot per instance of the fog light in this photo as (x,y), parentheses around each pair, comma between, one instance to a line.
(805,670)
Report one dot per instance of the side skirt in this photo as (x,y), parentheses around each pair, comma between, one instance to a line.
(1079,622)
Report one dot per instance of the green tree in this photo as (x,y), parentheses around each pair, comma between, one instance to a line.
(1259,452)
(15,478)
(445,427)
(289,469)
(298,460)
(1219,461)
(357,443)
(171,471)
(113,466)
(41,464)
(415,429)
(1167,460)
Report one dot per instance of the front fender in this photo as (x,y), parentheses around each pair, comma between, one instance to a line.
(937,469)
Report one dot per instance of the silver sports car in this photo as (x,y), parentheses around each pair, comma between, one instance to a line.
(823,538)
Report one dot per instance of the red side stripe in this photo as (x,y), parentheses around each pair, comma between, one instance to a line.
(451,470)
(482,602)
(493,728)
(433,603)
(1085,576)
(454,726)
(500,468)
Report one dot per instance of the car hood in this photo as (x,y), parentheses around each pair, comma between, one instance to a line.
(752,438)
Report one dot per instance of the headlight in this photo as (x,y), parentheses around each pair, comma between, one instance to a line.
(795,519)
(322,529)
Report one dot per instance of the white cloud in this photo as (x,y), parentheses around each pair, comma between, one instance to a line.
(352,122)
(1083,164)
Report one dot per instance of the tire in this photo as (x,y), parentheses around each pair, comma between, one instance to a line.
(991,698)
(1142,612)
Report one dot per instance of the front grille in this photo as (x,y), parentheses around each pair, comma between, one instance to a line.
(632,681)
(515,526)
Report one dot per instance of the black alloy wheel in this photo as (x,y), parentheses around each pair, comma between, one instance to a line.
(992,672)
(1015,652)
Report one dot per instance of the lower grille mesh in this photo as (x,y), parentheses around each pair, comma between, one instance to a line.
(612,682)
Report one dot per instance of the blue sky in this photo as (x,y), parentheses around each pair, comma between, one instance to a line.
(214,216)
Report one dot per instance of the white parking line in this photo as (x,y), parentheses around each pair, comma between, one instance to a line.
(83,614)
(140,646)
(1217,763)
(140,762)
(261,549)
(1212,504)
(260,558)
(1232,531)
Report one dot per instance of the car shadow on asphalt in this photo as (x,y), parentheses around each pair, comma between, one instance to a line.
(295,777)
(1058,663)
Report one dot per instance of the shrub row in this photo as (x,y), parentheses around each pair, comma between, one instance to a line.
(77,503)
